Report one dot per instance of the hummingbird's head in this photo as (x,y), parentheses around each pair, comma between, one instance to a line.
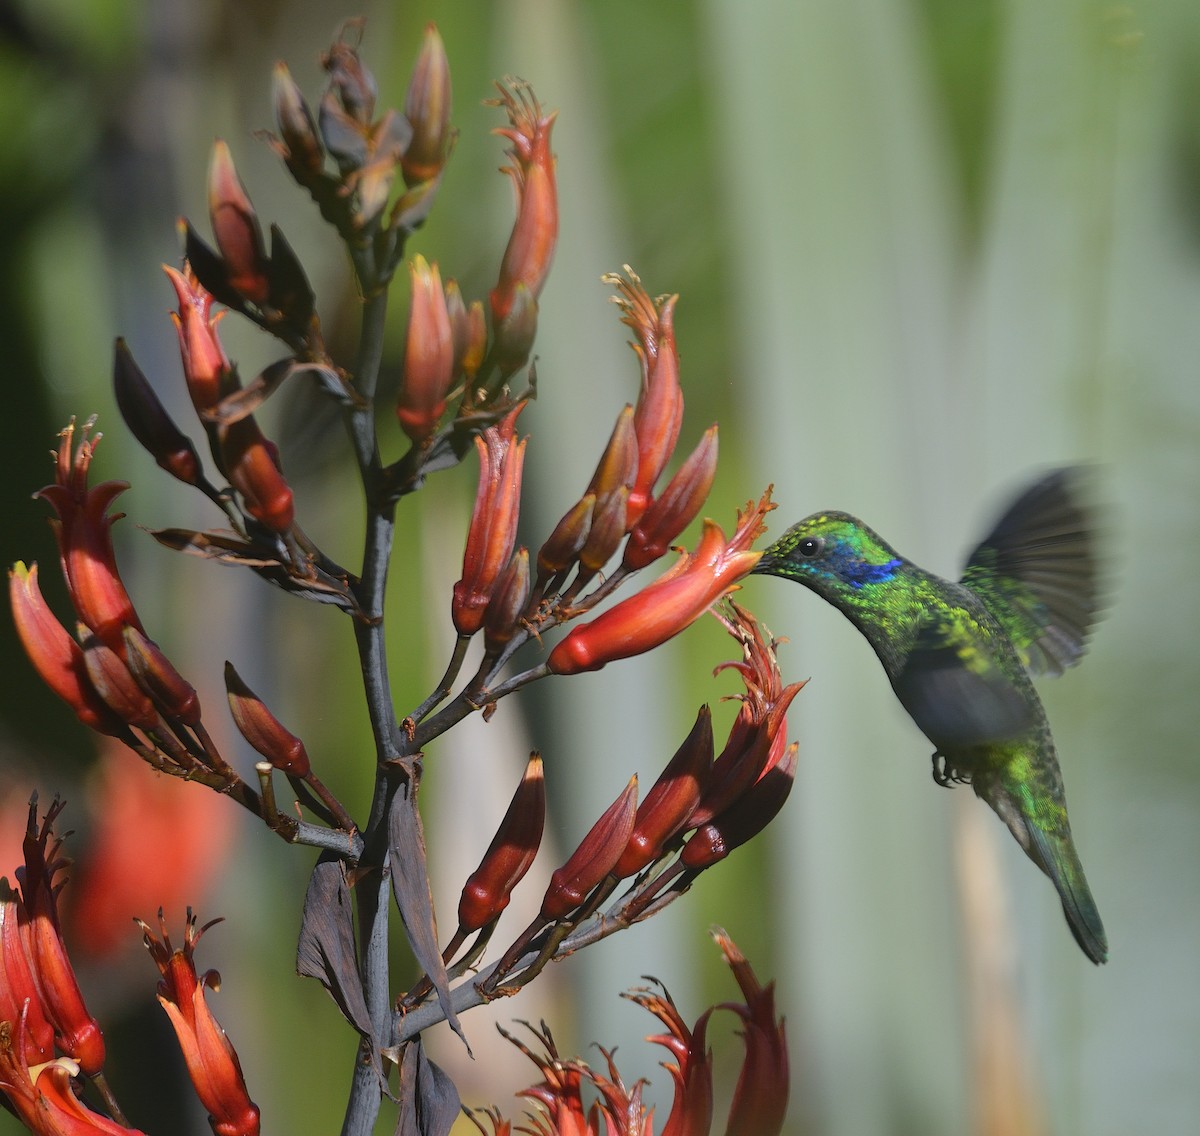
(835,554)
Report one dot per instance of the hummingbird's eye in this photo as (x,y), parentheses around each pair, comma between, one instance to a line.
(810,547)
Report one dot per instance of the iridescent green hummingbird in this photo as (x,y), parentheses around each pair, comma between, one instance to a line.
(959,655)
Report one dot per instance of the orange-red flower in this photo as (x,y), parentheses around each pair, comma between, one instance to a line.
(530,249)
(211,1060)
(674,601)
(56,657)
(251,463)
(428,354)
(83,530)
(206,368)
(76,1031)
(493,531)
(659,412)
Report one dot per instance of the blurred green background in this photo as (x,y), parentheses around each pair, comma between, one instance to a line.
(923,248)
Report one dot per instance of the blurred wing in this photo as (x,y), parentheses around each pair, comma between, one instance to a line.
(1037,573)
(957,693)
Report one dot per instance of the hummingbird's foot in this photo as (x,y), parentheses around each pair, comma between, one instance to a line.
(946,774)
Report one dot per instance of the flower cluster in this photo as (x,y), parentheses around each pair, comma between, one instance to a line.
(759,1101)
(374,173)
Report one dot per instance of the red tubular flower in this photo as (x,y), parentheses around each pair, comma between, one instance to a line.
(692,1109)
(427,108)
(493,531)
(251,463)
(668,605)
(679,504)
(149,421)
(83,530)
(756,739)
(236,228)
(659,412)
(47,1105)
(19,992)
(77,1032)
(262,729)
(760,1098)
(665,809)
(206,368)
(511,853)
(428,354)
(56,657)
(531,247)
(212,1062)
(595,857)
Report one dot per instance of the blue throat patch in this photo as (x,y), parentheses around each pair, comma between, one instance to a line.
(859,573)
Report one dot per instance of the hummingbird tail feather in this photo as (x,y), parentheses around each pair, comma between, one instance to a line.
(1055,855)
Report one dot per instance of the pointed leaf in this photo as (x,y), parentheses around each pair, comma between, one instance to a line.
(429,1102)
(326,947)
(410,885)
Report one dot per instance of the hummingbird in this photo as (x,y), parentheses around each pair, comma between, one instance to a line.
(960,655)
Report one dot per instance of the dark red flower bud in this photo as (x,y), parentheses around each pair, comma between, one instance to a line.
(745,818)
(175,697)
(606,532)
(262,729)
(618,463)
(514,332)
(679,505)
(507,603)
(665,809)
(427,108)
(595,857)
(250,463)
(510,854)
(205,365)
(236,228)
(563,545)
(116,686)
(149,421)
(428,354)
(300,147)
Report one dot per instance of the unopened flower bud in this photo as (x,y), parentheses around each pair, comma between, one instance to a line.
(606,532)
(236,228)
(427,108)
(469,329)
(679,505)
(745,818)
(510,854)
(507,603)
(514,332)
(175,697)
(428,354)
(262,729)
(301,147)
(665,809)
(595,857)
(116,686)
(618,463)
(251,465)
(563,545)
(149,421)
